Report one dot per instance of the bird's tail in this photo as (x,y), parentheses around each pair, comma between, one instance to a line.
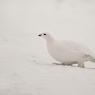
(90,58)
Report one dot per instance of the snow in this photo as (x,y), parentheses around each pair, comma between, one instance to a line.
(47,80)
(25,66)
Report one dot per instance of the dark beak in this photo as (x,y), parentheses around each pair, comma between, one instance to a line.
(40,35)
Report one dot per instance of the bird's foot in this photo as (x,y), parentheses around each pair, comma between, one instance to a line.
(58,64)
(62,64)
(81,65)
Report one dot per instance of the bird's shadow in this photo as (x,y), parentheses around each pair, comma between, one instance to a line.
(91,68)
(71,66)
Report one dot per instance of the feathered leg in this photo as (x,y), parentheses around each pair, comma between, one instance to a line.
(81,65)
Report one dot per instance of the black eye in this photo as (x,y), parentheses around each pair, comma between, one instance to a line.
(45,34)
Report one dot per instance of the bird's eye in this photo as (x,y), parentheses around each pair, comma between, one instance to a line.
(44,34)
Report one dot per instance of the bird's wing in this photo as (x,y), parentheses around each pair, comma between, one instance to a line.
(75,47)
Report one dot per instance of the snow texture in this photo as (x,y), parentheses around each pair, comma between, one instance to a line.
(25,66)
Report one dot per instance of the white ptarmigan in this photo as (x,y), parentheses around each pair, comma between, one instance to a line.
(67,52)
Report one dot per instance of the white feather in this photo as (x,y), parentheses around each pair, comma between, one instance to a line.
(67,51)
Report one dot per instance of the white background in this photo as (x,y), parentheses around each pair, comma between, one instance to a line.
(24,61)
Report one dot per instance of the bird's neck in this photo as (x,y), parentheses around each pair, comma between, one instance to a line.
(50,39)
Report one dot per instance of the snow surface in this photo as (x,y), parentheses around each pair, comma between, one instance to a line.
(25,66)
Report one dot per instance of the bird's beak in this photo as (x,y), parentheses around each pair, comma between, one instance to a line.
(40,35)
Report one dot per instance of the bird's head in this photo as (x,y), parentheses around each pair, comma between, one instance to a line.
(47,36)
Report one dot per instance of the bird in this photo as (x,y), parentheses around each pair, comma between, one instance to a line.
(67,52)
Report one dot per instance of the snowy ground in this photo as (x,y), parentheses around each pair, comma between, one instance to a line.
(25,66)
